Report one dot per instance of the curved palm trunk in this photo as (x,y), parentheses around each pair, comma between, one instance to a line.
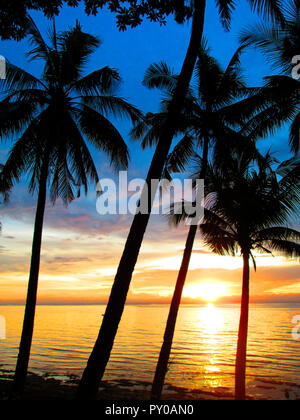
(162,364)
(240,373)
(28,324)
(99,357)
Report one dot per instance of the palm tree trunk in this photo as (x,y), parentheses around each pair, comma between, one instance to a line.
(99,357)
(162,364)
(28,324)
(240,374)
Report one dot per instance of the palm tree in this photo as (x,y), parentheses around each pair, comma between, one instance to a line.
(210,113)
(52,117)
(249,211)
(100,355)
(281,45)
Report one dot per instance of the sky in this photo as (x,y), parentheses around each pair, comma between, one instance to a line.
(81,249)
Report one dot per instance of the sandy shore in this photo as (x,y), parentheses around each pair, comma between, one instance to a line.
(49,388)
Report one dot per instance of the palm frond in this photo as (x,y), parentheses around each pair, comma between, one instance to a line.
(160,76)
(73,151)
(22,155)
(181,155)
(225,8)
(100,82)
(18,79)
(287,248)
(75,48)
(232,74)
(220,241)
(277,233)
(178,212)
(114,106)
(267,38)
(289,185)
(268,121)
(142,128)
(270,9)
(295,134)
(40,48)
(290,168)
(102,134)
(15,116)
(62,182)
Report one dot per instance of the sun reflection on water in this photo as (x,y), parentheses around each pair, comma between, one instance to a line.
(211,323)
(211,320)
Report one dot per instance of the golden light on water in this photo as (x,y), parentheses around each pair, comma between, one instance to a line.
(211,321)
(210,291)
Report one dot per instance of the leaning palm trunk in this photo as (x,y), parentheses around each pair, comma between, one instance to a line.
(28,324)
(240,374)
(99,357)
(162,364)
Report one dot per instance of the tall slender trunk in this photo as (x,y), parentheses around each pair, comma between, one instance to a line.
(162,364)
(99,357)
(28,324)
(240,373)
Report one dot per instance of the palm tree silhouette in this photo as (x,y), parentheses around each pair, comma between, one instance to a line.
(211,111)
(281,46)
(100,355)
(249,211)
(52,117)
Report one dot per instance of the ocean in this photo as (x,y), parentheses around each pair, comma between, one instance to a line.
(203,353)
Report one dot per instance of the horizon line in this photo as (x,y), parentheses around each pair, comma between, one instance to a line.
(289,301)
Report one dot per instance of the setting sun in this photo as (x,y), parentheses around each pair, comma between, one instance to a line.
(207,291)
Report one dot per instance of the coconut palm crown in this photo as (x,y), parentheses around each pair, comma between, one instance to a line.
(252,208)
(51,117)
(280,44)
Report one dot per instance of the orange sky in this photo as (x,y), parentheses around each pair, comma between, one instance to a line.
(81,250)
(80,255)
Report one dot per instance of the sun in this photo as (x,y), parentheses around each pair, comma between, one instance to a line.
(210,291)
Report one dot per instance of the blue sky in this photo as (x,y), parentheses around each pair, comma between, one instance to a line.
(132,52)
(101,240)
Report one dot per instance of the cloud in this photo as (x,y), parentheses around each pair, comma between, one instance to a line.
(293,288)
(67,260)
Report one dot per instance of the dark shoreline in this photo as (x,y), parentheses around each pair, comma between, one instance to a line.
(49,388)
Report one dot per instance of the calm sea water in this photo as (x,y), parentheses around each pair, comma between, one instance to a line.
(203,353)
